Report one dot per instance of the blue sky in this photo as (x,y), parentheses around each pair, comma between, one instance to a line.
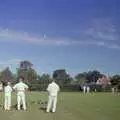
(78,35)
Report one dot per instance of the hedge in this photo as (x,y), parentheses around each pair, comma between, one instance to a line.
(71,88)
(42,87)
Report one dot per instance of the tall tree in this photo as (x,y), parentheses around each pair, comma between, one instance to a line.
(25,65)
(25,70)
(45,79)
(61,76)
(81,79)
(93,76)
(115,81)
(7,75)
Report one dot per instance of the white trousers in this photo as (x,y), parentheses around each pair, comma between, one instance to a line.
(84,89)
(21,98)
(52,102)
(7,102)
(88,89)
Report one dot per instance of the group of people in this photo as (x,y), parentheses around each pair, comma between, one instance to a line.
(86,89)
(21,88)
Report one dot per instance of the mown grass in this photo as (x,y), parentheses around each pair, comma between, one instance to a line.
(71,106)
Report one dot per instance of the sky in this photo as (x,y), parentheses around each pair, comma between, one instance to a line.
(76,35)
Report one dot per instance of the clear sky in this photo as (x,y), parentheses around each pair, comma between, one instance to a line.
(78,35)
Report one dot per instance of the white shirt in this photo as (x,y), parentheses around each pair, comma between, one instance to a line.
(53,89)
(1,86)
(8,90)
(20,87)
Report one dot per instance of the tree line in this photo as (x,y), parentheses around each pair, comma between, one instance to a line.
(66,82)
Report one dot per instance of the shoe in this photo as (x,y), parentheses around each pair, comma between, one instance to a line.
(53,111)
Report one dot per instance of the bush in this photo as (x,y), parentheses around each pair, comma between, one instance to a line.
(43,87)
(100,88)
(37,87)
(70,88)
(108,88)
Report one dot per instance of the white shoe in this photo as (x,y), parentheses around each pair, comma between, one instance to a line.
(53,111)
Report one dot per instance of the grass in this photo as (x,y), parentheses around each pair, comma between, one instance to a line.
(71,106)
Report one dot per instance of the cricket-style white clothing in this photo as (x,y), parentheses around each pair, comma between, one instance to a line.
(84,89)
(21,88)
(7,101)
(1,86)
(53,90)
(88,89)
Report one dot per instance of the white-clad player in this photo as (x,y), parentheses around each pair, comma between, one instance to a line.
(21,88)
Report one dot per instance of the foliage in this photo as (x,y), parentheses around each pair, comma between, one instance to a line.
(66,82)
(61,77)
(115,81)
(6,75)
(25,70)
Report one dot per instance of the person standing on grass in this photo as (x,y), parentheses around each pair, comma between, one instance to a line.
(7,100)
(20,89)
(1,87)
(88,89)
(84,88)
(53,90)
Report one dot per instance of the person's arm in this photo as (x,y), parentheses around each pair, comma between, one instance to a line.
(14,88)
(26,87)
(11,89)
(48,88)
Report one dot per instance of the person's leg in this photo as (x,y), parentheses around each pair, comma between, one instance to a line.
(9,102)
(18,101)
(5,103)
(54,104)
(24,101)
(49,104)
(84,89)
(87,89)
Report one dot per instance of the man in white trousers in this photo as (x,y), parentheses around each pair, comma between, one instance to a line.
(20,89)
(1,87)
(53,90)
(84,88)
(7,100)
(88,89)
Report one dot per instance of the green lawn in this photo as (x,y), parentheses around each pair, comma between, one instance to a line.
(71,106)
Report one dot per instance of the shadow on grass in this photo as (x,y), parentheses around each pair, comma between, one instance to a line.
(15,107)
(43,109)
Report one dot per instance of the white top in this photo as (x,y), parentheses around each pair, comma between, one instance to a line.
(53,89)
(8,90)
(20,87)
(1,86)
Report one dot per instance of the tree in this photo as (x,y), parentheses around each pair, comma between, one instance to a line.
(81,79)
(25,65)
(6,75)
(93,76)
(115,81)
(61,77)
(25,70)
(44,79)
(32,75)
